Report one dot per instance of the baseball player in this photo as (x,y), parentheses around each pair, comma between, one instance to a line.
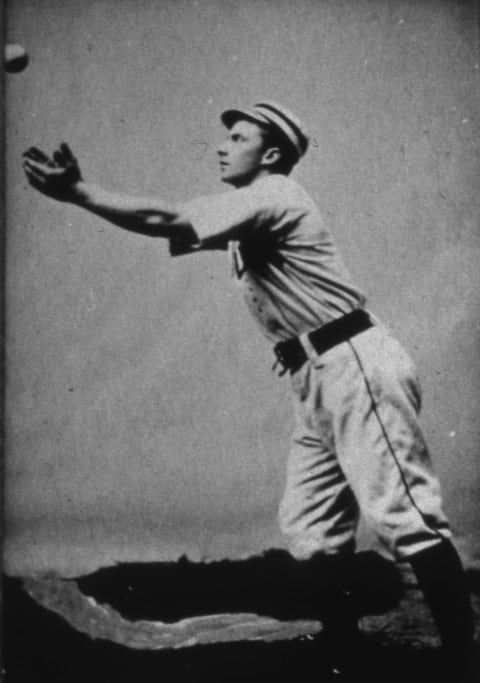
(357,445)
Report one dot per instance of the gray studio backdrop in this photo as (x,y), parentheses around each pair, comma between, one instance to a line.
(143,421)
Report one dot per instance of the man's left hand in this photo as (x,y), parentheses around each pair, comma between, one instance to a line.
(56,177)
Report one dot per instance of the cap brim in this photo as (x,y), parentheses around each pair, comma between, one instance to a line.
(230,117)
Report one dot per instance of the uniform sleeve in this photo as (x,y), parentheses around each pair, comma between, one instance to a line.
(217,219)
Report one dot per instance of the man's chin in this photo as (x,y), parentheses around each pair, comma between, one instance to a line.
(228,181)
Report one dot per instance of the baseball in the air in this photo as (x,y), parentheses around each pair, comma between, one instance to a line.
(16,58)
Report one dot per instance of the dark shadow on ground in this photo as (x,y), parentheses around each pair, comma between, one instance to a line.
(273,584)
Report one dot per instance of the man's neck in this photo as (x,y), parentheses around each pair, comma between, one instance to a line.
(261,173)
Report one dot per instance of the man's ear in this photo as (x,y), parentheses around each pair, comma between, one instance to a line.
(271,156)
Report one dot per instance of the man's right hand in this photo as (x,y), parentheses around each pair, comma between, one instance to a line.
(56,177)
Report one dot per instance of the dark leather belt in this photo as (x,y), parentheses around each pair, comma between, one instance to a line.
(291,353)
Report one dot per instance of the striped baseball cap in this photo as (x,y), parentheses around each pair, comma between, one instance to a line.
(274,116)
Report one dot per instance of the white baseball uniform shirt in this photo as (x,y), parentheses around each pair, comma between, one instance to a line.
(293,279)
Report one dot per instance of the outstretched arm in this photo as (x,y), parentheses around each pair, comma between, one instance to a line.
(60,178)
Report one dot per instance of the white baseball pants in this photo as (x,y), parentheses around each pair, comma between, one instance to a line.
(358,448)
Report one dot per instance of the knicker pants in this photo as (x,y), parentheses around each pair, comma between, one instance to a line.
(358,447)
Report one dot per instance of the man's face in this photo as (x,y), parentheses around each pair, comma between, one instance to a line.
(241,153)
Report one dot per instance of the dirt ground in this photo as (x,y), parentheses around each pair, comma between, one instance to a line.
(54,632)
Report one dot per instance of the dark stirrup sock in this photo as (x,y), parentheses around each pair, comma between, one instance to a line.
(341,622)
(441,577)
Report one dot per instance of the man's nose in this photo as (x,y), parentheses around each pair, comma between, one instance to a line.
(221,151)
